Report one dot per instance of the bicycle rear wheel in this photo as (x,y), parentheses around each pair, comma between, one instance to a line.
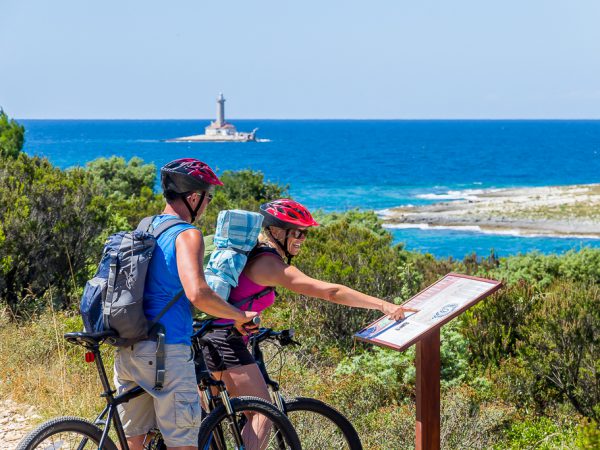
(65,433)
(219,431)
(321,427)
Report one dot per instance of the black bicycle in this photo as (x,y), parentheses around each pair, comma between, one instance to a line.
(318,425)
(221,429)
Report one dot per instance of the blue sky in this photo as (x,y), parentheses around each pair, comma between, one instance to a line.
(310,59)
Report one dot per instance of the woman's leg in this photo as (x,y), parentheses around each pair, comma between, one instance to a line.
(247,380)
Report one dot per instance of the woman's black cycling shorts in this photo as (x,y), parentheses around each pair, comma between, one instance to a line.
(225,351)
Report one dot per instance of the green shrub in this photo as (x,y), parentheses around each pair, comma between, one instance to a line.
(539,433)
(563,344)
(542,270)
(49,230)
(12,136)
(496,325)
(588,435)
(117,178)
(392,372)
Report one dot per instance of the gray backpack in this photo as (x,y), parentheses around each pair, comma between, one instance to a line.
(113,299)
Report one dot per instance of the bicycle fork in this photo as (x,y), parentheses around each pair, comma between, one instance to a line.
(211,401)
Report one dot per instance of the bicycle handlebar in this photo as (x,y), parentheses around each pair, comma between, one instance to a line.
(284,337)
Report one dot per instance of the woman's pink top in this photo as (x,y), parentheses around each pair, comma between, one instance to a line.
(247,288)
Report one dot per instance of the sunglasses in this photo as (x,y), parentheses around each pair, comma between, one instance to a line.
(297,233)
(208,195)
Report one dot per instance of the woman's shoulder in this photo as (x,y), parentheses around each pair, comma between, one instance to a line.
(263,260)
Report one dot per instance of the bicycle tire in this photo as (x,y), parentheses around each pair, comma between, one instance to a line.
(53,434)
(321,427)
(216,426)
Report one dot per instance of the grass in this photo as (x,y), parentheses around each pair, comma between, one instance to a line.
(41,369)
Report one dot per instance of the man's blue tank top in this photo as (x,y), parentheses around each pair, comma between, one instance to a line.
(162,283)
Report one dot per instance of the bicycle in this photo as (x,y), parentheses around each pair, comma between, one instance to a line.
(221,428)
(318,425)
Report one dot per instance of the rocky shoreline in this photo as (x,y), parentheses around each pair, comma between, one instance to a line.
(562,211)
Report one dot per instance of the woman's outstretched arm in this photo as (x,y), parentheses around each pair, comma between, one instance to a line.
(274,272)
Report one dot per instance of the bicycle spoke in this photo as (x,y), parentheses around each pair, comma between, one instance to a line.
(256,425)
(255,434)
(317,432)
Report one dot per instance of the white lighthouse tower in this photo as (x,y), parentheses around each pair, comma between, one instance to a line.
(220,110)
(220,127)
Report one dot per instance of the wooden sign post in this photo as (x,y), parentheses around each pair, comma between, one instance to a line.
(436,305)
(428,392)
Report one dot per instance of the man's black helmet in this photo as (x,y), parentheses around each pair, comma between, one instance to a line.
(187,175)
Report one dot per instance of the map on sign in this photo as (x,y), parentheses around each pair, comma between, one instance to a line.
(436,305)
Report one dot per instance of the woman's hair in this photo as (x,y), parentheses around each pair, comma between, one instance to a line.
(263,237)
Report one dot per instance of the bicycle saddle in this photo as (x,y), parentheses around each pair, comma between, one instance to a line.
(88,339)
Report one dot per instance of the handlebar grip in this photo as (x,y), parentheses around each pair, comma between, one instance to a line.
(255,321)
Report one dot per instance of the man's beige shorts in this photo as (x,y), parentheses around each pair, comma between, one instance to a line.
(175,409)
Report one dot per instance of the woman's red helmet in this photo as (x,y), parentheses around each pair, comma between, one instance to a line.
(187,175)
(285,213)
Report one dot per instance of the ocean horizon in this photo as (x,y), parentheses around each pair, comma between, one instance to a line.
(341,164)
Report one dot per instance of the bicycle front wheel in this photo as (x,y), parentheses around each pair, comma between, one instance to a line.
(255,424)
(65,433)
(321,427)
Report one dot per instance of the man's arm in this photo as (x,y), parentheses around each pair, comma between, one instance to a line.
(190,251)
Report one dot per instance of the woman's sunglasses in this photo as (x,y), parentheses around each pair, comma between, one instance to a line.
(297,233)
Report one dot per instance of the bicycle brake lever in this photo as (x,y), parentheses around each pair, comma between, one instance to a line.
(287,340)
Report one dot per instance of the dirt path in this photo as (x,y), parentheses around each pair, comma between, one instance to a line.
(15,422)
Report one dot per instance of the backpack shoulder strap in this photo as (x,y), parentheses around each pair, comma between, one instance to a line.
(156,232)
(255,253)
(260,250)
(146,225)
(242,302)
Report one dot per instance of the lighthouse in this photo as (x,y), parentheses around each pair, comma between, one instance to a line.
(220,111)
(220,127)
(219,130)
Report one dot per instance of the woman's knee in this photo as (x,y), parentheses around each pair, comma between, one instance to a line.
(246,380)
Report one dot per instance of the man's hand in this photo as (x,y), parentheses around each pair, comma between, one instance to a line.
(245,325)
(396,312)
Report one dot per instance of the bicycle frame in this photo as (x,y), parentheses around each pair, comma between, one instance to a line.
(273,385)
(110,410)
(207,381)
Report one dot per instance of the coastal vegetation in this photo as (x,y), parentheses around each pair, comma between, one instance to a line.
(519,370)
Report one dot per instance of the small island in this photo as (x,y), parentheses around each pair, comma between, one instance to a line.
(220,130)
(563,211)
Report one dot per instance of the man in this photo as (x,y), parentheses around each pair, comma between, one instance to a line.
(188,186)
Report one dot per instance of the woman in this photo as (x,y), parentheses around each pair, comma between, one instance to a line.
(285,227)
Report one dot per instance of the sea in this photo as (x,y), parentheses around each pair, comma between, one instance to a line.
(337,165)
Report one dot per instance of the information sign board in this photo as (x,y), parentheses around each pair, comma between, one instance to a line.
(436,305)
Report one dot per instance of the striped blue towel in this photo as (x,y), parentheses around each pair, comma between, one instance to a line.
(236,235)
